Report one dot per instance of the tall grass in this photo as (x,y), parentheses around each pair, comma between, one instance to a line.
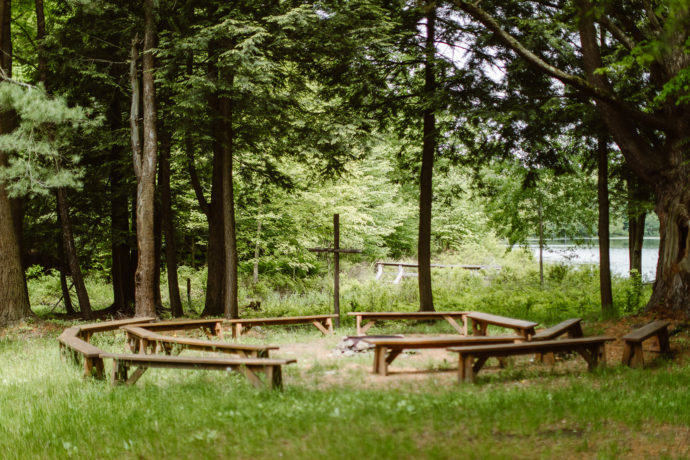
(512,290)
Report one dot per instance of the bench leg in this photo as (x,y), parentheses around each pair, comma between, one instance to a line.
(478,328)
(119,373)
(632,354)
(136,375)
(320,327)
(236,331)
(93,367)
(662,338)
(380,365)
(392,355)
(466,373)
(575,332)
(329,325)
(274,377)
(362,330)
(454,324)
(250,373)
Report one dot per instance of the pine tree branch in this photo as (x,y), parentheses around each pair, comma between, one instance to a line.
(574,81)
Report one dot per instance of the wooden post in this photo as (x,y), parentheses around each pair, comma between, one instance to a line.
(336,268)
(336,265)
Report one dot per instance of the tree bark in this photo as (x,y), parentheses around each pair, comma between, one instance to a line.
(168,226)
(215,282)
(257,244)
(426,300)
(145,301)
(604,237)
(71,254)
(638,195)
(40,35)
(13,292)
(231,307)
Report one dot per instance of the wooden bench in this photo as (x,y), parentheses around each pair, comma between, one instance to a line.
(87,330)
(480,321)
(213,327)
(323,323)
(571,327)
(632,351)
(472,358)
(251,368)
(372,316)
(387,349)
(73,346)
(140,340)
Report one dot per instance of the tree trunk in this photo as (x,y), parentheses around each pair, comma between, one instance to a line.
(638,195)
(40,35)
(157,251)
(122,267)
(168,226)
(145,301)
(215,282)
(541,243)
(604,241)
(257,245)
(672,285)
(230,248)
(13,292)
(426,301)
(71,254)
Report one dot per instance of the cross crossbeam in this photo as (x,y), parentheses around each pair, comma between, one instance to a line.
(336,250)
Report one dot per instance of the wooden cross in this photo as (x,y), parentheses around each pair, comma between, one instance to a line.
(336,250)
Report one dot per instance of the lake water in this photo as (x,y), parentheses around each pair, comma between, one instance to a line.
(566,251)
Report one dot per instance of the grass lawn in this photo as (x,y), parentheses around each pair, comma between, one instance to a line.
(333,407)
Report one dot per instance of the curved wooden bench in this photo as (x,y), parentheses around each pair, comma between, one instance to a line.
(592,349)
(87,330)
(251,368)
(73,346)
(372,316)
(632,351)
(387,349)
(210,326)
(323,323)
(140,340)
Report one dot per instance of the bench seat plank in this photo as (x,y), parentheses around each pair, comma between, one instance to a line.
(373,316)
(87,330)
(571,326)
(590,348)
(213,326)
(142,340)
(480,321)
(323,323)
(387,349)
(249,367)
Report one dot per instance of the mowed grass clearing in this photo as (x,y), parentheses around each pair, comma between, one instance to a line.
(333,407)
